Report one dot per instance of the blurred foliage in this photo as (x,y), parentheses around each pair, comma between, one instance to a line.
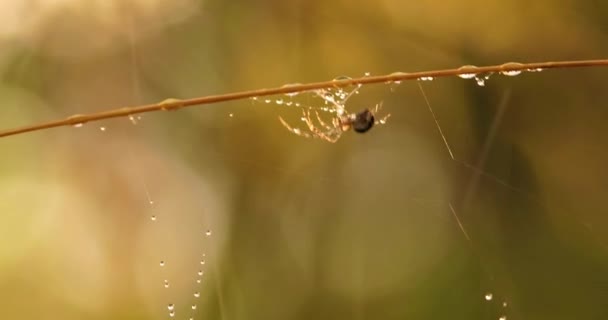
(302,229)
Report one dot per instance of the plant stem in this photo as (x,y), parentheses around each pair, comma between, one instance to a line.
(174,104)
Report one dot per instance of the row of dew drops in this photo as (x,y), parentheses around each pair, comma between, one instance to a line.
(339,95)
(489,297)
(472,72)
(199,274)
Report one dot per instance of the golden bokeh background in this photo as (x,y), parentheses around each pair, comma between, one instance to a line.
(276,226)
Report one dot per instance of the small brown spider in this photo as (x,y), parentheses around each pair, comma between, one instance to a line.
(360,122)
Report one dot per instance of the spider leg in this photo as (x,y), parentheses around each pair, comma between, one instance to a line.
(325,125)
(329,135)
(383,119)
(294,130)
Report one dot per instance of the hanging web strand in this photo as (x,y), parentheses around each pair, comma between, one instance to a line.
(464,164)
(459,223)
(445,141)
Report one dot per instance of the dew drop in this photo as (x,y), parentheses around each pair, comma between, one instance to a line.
(502,318)
(202,262)
(426,79)
(200,273)
(171,313)
(288,103)
(193,307)
(153,218)
(171,306)
(296,131)
(208,233)
(171,104)
(166,284)
(151,202)
(480,81)
(291,94)
(488,296)
(102,128)
(504,304)
(279,101)
(467,72)
(268,101)
(197,294)
(231,115)
(509,65)
(162,263)
(297,104)
(511,73)
(367,74)
(77,120)
(198,280)
(254,98)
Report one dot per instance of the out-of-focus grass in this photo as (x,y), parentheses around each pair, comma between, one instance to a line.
(301,229)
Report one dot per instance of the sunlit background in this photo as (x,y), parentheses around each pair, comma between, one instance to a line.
(219,212)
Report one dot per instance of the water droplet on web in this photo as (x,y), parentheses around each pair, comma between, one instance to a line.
(202,262)
(171,313)
(504,304)
(193,307)
(78,125)
(482,78)
(502,318)
(170,306)
(367,74)
(197,294)
(198,280)
(467,72)
(231,115)
(288,103)
(426,79)
(200,273)
(153,218)
(102,128)
(132,119)
(254,98)
(166,283)
(488,296)
(162,263)
(511,73)
(151,202)
(267,100)
(279,101)
(297,104)
(208,233)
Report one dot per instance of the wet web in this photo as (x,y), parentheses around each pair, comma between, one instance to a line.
(328,105)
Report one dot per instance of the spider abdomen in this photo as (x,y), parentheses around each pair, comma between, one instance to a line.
(363,121)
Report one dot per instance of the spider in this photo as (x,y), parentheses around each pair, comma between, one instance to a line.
(360,122)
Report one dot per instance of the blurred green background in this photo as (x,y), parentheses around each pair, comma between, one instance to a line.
(253,222)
